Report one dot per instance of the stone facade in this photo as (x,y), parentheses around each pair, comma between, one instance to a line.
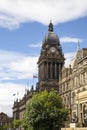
(20,106)
(5,120)
(73,86)
(74,128)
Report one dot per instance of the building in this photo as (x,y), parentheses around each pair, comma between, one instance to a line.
(70,82)
(5,120)
(73,86)
(20,106)
(50,63)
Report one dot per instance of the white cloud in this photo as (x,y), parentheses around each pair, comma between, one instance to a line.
(38,45)
(70,39)
(6,96)
(15,66)
(8,21)
(15,12)
(68,58)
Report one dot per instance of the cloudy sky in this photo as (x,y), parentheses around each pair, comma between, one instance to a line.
(23,25)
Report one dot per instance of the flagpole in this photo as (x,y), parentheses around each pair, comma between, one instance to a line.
(33,80)
(34,76)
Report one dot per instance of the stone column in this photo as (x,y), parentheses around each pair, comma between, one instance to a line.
(47,70)
(55,71)
(58,71)
(49,75)
(59,67)
(51,70)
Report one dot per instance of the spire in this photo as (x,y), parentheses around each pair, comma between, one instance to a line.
(50,26)
(78,45)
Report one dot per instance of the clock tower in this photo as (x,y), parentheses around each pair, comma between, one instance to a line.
(50,62)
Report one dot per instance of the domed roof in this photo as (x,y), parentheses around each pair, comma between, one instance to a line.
(51,37)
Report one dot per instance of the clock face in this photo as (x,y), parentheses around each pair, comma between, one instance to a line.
(52,49)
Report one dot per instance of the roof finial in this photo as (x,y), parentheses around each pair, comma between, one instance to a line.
(50,26)
(78,45)
(50,20)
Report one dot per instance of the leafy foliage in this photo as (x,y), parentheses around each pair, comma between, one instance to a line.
(45,111)
(4,127)
(16,123)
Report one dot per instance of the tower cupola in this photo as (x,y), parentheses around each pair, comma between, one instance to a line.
(50,62)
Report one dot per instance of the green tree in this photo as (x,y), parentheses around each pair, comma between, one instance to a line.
(17,123)
(4,127)
(25,123)
(45,111)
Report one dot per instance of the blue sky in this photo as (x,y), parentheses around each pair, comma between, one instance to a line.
(23,25)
